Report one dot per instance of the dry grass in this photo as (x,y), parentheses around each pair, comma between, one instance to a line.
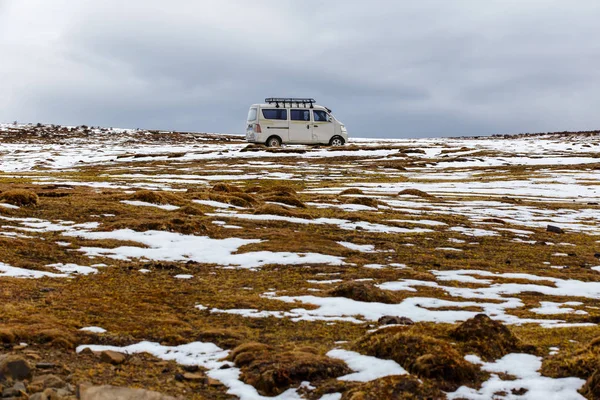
(361,291)
(272,372)
(48,313)
(402,387)
(416,192)
(20,197)
(422,355)
(487,338)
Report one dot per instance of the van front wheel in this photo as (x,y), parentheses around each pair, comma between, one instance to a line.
(337,141)
(274,141)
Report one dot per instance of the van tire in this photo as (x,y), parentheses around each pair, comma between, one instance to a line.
(337,141)
(273,141)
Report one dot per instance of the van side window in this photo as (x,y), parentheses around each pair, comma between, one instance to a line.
(320,116)
(275,113)
(300,115)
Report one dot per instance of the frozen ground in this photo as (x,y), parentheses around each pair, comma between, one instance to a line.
(185,245)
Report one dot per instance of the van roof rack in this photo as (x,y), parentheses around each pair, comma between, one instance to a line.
(291,100)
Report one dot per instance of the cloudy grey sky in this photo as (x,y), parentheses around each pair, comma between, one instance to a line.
(386,68)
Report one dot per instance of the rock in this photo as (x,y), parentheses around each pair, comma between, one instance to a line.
(194,376)
(393,320)
(554,229)
(112,357)
(38,396)
(44,365)
(597,255)
(14,367)
(191,368)
(18,390)
(107,392)
(49,381)
(214,383)
(87,352)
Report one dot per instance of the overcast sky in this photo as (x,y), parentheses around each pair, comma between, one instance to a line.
(386,68)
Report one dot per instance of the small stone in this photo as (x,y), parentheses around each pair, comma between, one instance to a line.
(20,386)
(554,229)
(112,357)
(38,396)
(87,352)
(191,368)
(214,383)
(44,365)
(14,367)
(194,376)
(33,355)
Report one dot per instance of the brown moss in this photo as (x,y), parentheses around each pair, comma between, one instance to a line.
(401,387)
(148,196)
(56,337)
(362,291)
(486,337)
(20,197)
(274,209)
(287,199)
(226,338)
(581,362)
(278,190)
(365,201)
(421,355)
(233,199)
(245,353)
(591,389)
(153,197)
(416,192)
(352,191)
(7,335)
(272,372)
(191,210)
(225,188)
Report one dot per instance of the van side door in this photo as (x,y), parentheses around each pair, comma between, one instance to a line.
(323,126)
(274,121)
(301,126)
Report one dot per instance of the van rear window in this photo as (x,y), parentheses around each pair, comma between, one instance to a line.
(275,113)
(252,114)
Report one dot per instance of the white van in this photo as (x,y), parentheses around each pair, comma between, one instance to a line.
(294,121)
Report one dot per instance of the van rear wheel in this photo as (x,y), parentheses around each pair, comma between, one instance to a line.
(337,141)
(274,141)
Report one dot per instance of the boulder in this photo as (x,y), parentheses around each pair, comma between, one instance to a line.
(554,229)
(112,357)
(14,367)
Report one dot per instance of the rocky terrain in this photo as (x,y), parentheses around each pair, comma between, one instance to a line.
(158,265)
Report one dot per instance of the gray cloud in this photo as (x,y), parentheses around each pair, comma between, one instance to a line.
(387,69)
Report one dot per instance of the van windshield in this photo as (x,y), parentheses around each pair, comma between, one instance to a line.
(252,114)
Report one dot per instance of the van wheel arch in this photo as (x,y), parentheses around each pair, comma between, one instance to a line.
(273,141)
(337,140)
